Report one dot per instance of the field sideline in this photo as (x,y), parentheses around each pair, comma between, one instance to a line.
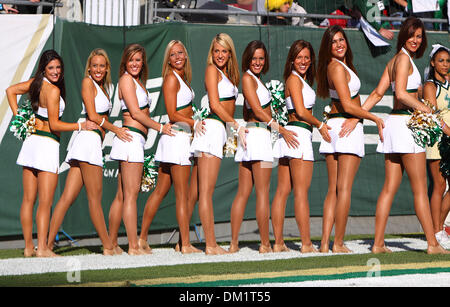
(84,266)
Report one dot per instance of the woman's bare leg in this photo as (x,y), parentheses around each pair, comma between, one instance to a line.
(393,168)
(131,184)
(208,170)
(46,190)
(115,215)
(73,185)
(348,165)
(329,205)
(261,177)
(30,183)
(245,186)
(301,181)
(154,200)
(93,182)
(436,200)
(279,204)
(415,166)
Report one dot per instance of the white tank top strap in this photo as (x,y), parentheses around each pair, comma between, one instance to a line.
(42,113)
(185,94)
(227,90)
(414,80)
(353,85)
(309,96)
(102,102)
(262,92)
(142,96)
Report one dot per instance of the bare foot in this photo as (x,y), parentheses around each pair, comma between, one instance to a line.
(143,245)
(136,251)
(263,249)
(117,250)
(215,250)
(340,249)
(190,249)
(324,247)
(380,250)
(437,250)
(177,247)
(308,249)
(29,252)
(234,248)
(108,252)
(278,248)
(46,253)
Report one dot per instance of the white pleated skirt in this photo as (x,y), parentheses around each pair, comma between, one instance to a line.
(87,147)
(212,141)
(40,152)
(397,136)
(303,151)
(132,151)
(351,144)
(259,145)
(175,149)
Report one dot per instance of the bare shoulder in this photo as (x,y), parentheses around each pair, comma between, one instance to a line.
(294,82)
(87,82)
(170,80)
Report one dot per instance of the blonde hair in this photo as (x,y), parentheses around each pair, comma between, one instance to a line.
(166,68)
(107,79)
(226,42)
(128,53)
(273,5)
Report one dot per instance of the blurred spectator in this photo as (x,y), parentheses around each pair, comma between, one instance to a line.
(8,9)
(408,11)
(29,9)
(441,14)
(295,8)
(280,6)
(243,4)
(335,21)
(370,10)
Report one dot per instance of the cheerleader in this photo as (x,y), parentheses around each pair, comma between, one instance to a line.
(221,80)
(399,148)
(337,79)
(296,164)
(39,155)
(135,102)
(173,152)
(255,161)
(436,91)
(85,157)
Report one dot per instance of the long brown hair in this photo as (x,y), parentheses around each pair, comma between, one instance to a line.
(250,51)
(128,53)
(407,30)
(36,84)
(325,58)
(296,47)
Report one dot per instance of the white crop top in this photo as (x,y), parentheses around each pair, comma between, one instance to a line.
(227,90)
(414,80)
(353,85)
(142,96)
(42,113)
(309,96)
(262,92)
(185,94)
(102,103)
